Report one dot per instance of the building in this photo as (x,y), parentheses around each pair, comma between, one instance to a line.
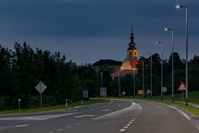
(130,62)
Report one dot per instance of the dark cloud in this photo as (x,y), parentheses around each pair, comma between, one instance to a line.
(80,28)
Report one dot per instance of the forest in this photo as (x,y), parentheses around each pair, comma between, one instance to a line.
(23,68)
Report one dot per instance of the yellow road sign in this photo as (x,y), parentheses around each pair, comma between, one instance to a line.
(140,91)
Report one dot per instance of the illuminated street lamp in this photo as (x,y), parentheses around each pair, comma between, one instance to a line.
(166,29)
(161,66)
(179,6)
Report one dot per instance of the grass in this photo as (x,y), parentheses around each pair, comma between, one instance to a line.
(58,107)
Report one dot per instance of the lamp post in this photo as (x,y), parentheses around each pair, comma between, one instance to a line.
(134,84)
(151,76)
(166,29)
(179,6)
(161,66)
(119,83)
(143,76)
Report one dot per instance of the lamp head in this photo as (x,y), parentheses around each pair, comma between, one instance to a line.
(178,6)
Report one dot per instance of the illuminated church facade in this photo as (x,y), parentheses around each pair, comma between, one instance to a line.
(130,62)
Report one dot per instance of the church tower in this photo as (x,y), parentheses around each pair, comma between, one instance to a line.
(132,51)
(130,62)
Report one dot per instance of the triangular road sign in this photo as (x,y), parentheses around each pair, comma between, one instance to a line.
(148,91)
(182,87)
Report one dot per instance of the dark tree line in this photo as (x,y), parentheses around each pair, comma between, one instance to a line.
(22,69)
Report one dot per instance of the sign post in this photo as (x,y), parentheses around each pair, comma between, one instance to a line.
(148,91)
(85,94)
(41,88)
(103,92)
(19,100)
(182,88)
(164,89)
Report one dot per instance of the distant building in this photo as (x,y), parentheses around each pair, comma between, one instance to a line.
(130,62)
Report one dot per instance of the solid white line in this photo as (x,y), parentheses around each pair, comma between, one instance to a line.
(180,111)
(25,125)
(106,110)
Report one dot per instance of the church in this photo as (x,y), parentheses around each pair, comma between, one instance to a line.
(130,62)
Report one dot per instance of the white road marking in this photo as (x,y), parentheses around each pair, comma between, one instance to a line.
(119,105)
(60,129)
(77,124)
(128,125)
(68,126)
(125,127)
(84,116)
(119,112)
(122,130)
(25,125)
(197,127)
(108,104)
(43,117)
(106,110)
(180,111)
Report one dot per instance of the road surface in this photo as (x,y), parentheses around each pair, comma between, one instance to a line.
(118,116)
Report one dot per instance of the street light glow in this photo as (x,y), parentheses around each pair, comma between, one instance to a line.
(166,29)
(158,42)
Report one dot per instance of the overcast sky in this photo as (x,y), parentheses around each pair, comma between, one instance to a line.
(89,30)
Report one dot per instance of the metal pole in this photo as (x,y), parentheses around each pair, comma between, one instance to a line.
(101,79)
(161,69)
(172,66)
(119,83)
(151,77)
(41,95)
(134,84)
(186,56)
(143,76)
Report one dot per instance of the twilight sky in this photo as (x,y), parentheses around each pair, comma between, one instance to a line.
(89,30)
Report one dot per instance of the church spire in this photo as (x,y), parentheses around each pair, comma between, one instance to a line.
(132,44)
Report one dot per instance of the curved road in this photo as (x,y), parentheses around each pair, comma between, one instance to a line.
(118,116)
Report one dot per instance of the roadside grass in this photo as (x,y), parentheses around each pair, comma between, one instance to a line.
(191,109)
(58,107)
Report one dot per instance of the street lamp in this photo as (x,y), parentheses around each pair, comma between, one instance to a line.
(143,76)
(142,61)
(166,29)
(134,83)
(179,6)
(161,66)
(151,75)
(118,82)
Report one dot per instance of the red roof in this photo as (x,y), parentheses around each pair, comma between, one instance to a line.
(123,73)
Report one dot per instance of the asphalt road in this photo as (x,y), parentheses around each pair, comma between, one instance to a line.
(118,116)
